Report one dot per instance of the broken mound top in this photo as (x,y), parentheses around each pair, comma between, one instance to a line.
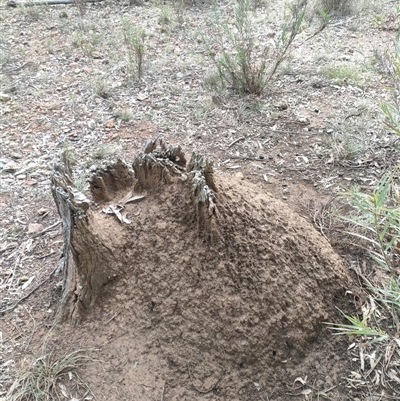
(196,258)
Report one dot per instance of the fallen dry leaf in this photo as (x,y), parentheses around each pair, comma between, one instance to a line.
(35,228)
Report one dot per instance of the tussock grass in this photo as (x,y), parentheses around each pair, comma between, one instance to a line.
(375,223)
(41,378)
(342,74)
(339,7)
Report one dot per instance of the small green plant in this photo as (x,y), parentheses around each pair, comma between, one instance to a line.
(165,17)
(359,327)
(77,39)
(246,109)
(33,13)
(390,294)
(179,9)
(5,58)
(347,145)
(379,20)
(70,155)
(241,63)
(376,224)
(390,66)
(41,378)
(212,81)
(378,218)
(335,7)
(87,43)
(104,151)
(343,74)
(134,41)
(101,88)
(50,46)
(81,5)
(124,115)
(81,183)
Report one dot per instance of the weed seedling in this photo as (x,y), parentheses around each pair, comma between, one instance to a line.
(134,42)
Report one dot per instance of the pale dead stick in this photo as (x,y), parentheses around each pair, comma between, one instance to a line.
(47,229)
(45,256)
(373,367)
(112,317)
(13,3)
(236,141)
(13,271)
(33,330)
(11,308)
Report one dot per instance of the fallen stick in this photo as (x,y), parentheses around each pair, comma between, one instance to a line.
(13,3)
(236,141)
(12,307)
(56,224)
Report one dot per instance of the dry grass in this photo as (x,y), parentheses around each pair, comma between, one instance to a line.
(42,378)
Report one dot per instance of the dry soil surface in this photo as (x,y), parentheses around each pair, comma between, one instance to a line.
(181,326)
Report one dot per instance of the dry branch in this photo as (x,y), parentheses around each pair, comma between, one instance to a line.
(12,3)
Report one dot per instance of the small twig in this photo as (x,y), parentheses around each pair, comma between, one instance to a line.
(34,328)
(45,256)
(245,158)
(20,67)
(373,367)
(112,318)
(236,141)
(354,114)
(13,3)
(209,389)
(49,228)
(11,308)
(162,393)
(12,274)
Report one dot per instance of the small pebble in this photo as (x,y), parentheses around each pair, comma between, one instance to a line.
(239,175)
(261,157)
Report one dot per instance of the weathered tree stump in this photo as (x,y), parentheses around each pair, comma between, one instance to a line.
(86,259)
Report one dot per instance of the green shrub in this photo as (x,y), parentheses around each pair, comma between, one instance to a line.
(390,66)
(376,225)
(335,7)
(134,41)
(240,62)
(378,217)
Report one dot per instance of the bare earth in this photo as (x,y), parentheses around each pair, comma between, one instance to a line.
(183,320)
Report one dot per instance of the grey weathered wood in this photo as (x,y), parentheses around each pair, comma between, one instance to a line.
(84,259)
(13,3)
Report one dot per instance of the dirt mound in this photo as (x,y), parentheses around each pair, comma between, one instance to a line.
(211,270)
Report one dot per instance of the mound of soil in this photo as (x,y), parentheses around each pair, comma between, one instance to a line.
(219,281)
